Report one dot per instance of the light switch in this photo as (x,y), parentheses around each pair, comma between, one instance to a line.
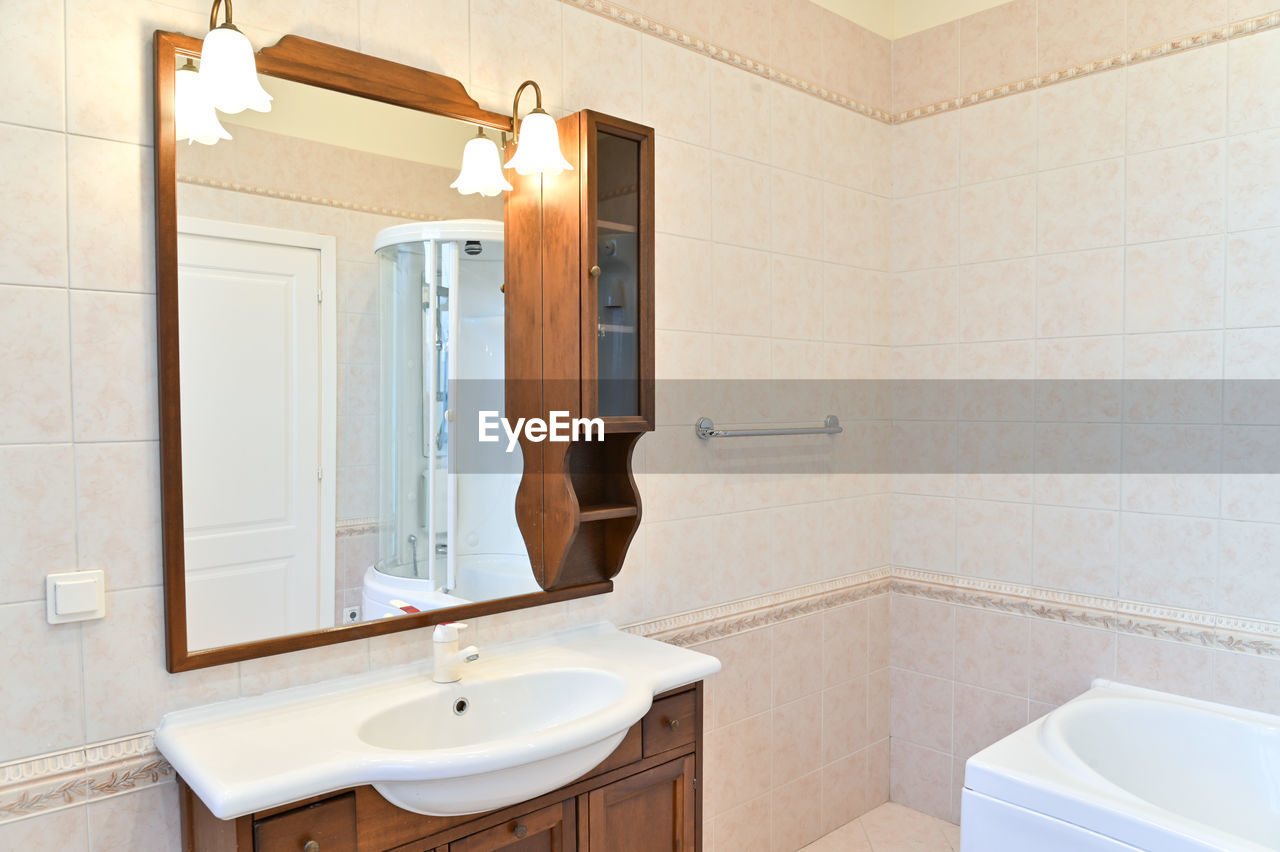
(75,596)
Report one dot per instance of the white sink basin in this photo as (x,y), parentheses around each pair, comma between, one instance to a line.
(525,719)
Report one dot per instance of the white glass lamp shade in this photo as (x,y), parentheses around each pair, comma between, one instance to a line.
(229,72)
(539,147)
(481,169)
(194,119)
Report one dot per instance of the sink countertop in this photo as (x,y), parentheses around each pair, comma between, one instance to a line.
(250,754)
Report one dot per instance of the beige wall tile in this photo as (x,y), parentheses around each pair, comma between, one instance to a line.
(926,155)
(517,40)
(1151,22)
(982,717)
(118,512)
(924,532)
(37,518)
(1081,293)
(1071,32)
(748,826)
(53,832)
(859,152)
(743,27)
(857,228)
(686,292)
(998,46)
(925,231)
(735,772)
(743,687)
(33,180)
(1243,680)
(133,631)
(36,384)
(926,67)
(1082,120)
(797,658)
(677,96)
(1176,100)
(991,651)
(1175,286)
(921,709)
(797,813)
(1081,207)
(845,787)
(1251,297)
(997,300)
(1166,666)
(923,639)
(1243,588)
(797,740)
(742,283)
(113,370)
(796,214)
(844,720)
(1065,659)
(738,125)
(1253,181)
(844,643)
(993,540)
(44,705)
(682,189)
(998,220)
(602,64)
(797,144)
(112,243)
(1076,549)
(924,307)
(393,29)
(1254,64)
(1177,192)
(31,50)
(1169,560)
(145,821)
(921,780)
(740,198)
(998,139)
(796,32)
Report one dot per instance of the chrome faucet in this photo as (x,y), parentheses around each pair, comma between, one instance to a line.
(448,659)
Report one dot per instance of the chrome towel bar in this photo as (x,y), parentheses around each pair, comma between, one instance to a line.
(707,429)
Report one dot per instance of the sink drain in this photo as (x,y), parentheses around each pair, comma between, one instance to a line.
(460,706)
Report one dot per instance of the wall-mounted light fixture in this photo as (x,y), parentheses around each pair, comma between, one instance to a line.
(228,71)
(481,168)
(194,118)
(536,138)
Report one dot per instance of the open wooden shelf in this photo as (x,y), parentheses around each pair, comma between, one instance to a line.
(606,511)
(616,227)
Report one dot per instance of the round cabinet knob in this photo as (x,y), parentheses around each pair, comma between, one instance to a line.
(673,724)
(311,846)
(595,272)
(521,830)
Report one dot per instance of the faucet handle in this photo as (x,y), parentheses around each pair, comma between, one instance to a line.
(447,631)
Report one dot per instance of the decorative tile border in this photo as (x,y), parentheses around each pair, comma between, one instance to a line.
(66,779)
(302,198)
(636,21)
(73,777)
(717,622)
(1251,26)
(1190,627)
(356,526)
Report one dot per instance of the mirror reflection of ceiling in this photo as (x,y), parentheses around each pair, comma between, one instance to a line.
(897,18)
(322,115)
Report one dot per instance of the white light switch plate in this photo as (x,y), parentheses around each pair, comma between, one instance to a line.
(75,596)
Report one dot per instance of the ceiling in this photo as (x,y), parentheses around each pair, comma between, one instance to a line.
(897,18)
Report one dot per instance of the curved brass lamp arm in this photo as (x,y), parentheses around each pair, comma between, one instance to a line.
(213,14)
(515,103)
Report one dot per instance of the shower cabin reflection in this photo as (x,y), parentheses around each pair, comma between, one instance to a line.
(447,532)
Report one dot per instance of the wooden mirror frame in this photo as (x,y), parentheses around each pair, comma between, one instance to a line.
(327,66)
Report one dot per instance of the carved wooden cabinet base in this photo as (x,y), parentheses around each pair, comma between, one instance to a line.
(645,797)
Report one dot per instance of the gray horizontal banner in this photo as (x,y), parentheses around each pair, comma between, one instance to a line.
(901,427)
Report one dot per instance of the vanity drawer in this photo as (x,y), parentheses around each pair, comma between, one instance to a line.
(670,723)
(330,824)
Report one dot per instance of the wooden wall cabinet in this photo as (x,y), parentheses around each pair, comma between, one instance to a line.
(592,320)
(645,797)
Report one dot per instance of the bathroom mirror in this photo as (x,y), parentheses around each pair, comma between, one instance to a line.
(331,312)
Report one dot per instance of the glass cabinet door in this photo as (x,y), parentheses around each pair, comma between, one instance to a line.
(618,302)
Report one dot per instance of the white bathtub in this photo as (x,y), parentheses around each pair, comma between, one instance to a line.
(1126,768)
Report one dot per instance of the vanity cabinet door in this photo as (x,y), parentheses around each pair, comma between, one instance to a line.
(649,812)
(552,829)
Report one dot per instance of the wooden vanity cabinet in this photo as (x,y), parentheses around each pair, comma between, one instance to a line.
(645,797)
